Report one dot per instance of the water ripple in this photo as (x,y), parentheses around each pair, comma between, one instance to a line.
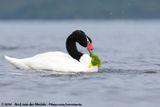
(128,71)
(11,48)
(3,48)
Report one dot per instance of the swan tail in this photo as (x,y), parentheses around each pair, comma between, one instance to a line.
(18,63)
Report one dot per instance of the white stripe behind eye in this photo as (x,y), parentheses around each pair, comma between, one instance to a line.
(87,40)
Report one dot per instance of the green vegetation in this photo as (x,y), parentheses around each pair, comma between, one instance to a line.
(95,60)
(79,9)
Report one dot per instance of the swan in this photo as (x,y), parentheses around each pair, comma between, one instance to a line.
(75,61)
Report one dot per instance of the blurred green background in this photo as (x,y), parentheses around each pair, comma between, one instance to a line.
(79,9)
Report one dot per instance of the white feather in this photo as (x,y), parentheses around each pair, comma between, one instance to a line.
(55,61)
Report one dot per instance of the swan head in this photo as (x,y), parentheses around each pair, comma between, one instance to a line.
(78,36)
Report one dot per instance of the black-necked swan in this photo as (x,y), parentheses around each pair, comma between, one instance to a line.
(75,61)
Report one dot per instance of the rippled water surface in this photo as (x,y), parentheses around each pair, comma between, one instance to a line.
(129,77)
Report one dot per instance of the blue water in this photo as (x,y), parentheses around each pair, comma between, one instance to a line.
(129,77)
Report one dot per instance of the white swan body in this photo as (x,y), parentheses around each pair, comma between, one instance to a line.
(54,61)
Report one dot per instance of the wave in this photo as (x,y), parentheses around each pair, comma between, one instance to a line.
(10,48)
(129,71)
(2,47)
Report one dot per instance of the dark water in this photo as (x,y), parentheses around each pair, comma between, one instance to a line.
(129,77)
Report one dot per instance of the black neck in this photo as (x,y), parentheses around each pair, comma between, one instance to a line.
(76,36)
